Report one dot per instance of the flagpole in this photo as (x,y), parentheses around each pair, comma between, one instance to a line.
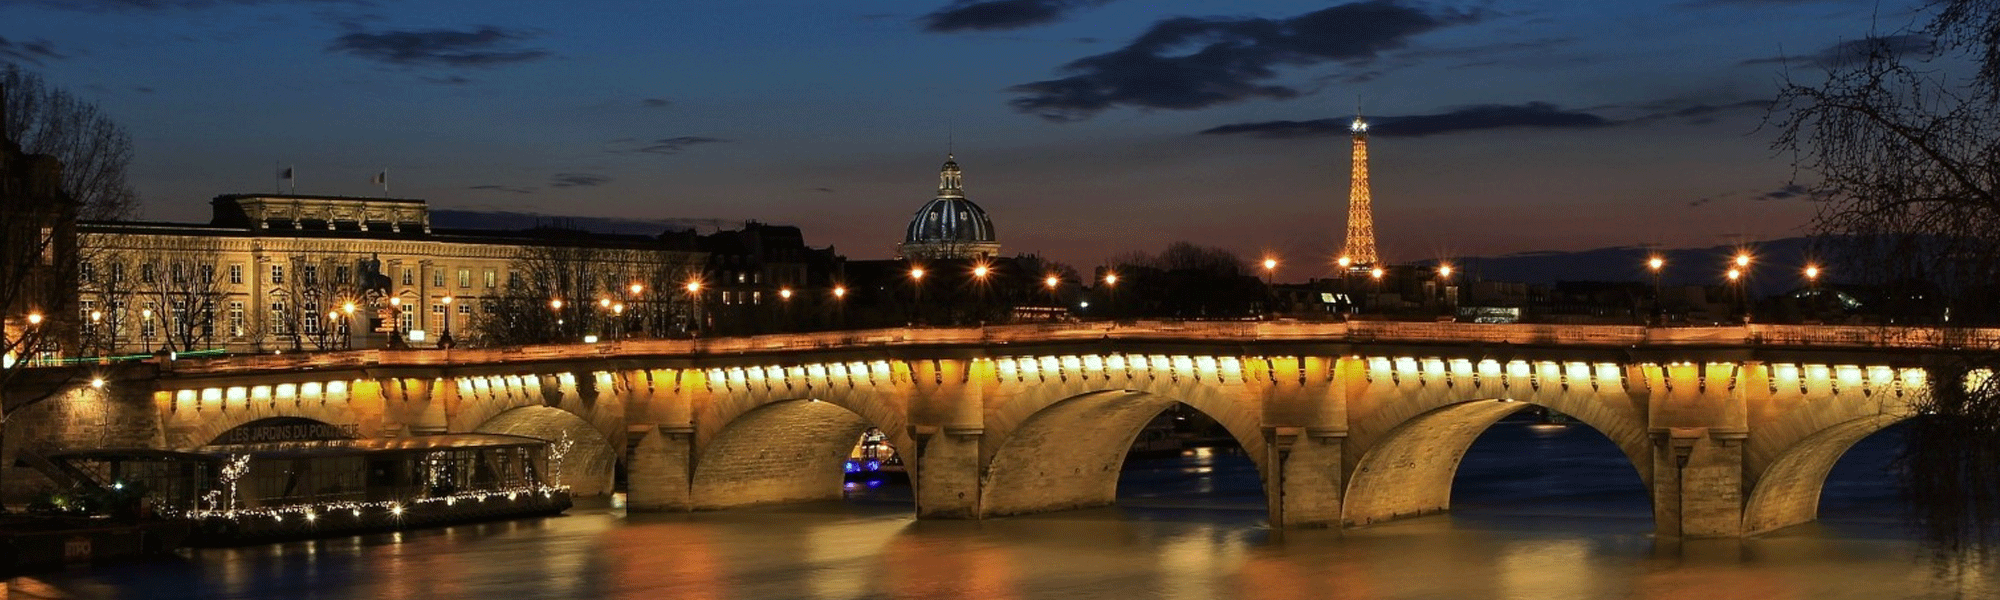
(277,177)
(292,173)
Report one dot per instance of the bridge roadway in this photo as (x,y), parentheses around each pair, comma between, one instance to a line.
(1732,429)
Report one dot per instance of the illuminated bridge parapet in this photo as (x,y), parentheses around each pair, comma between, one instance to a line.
(1732,429)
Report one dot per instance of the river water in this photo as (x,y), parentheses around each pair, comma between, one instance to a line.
(1539,513)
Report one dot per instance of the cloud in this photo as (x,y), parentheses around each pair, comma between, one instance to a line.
(451,80)
(1535,115)
(482,47)
(655,102)
(990,15)
(563,180)
(138,5)
(1188,63)
(503,188)
(29,52)
(1719,3)
(823,190)
(1851,52)
(672,145)
(1785,193)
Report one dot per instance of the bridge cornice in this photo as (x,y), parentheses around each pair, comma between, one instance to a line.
(1562,343)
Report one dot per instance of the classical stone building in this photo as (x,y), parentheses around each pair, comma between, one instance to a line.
(302,273)
(949,226)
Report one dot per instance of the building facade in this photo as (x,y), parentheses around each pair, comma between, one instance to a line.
(303,273)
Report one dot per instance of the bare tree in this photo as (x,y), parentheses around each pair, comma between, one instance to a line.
(1904,152)
(38,271)
(564,292)
(93,149)
(179,289)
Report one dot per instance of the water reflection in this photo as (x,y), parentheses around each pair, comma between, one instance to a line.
(1559,534)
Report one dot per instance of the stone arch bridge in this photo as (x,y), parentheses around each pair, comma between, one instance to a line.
(1731,429)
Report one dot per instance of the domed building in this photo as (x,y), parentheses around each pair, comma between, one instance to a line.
(950,226)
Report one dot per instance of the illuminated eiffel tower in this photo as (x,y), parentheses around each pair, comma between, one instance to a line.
(1359,253)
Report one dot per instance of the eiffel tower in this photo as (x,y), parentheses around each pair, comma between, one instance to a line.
(1359,253)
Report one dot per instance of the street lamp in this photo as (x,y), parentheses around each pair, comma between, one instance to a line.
(444,341)
(694,298)
(1375,287)
(1655,264)
(348,308)
(396,322)
(145,326)
(1444,287)
(917,299)
(1735,276)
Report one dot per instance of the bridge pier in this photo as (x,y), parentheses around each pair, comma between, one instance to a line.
(1308,489)
(945,471)
(660,476)
(1698,482)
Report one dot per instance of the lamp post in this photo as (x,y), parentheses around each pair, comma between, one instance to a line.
(96,316)
(555,313)
(145,326)
(1270,294)
(396,322)
(1375,288)
(633,297)
(1741,272)
(444,341)
(1110,295)
(917,302)
(1055,303)
(979,273)
(618,320)
(840,306)
(1812,286)
(1654,265)
(348,307)
(694,301)
(1445,296)
(1736,292)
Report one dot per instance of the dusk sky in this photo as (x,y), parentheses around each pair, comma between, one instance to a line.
(1085,127)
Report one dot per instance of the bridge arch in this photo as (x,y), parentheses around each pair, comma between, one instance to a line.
(1409,471)
(587,466)
(1788,491)
(782,451)
(1068,454)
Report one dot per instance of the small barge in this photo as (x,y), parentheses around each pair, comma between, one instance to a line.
(246,493)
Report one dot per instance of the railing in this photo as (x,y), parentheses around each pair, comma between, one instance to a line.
(1803,336)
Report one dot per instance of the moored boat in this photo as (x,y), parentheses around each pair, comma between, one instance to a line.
(244,493)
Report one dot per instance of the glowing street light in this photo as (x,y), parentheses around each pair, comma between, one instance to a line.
(1345,262)
(1812,273)
(1742,259)
(839,291)
(34,318)
(444,341)
(980,271)
(1110,279)
(1376,273)
(917,273)
(785,293)
(1444,270)
(1656,263)
(1052,281)
(636,288)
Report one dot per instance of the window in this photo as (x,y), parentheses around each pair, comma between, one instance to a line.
(118,272)
(309,274)
(83,310)
(177,272)
(437,316)
(341,274)
(48,245)
(280,322)
(236,317)
(312,316)
(148,273)
(490,276)
(409,276)
(207,274)
(147,328)
(85,271)
(277,273)
(464,308)
(756,297)
(465,278)
(437,277)
(725,297)
(407,319)
(236,273)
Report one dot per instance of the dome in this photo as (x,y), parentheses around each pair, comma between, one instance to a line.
(949,226)
(949,220)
